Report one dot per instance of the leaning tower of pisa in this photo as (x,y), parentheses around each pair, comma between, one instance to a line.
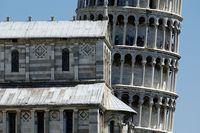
(145,39)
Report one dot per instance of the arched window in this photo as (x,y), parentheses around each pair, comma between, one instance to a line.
(15,61)
(85,17)
(152,4)
(91,17)
(65,60)
(125,98)
(111,2)
(100,2)
(100,17)
(116,40)
(112,127)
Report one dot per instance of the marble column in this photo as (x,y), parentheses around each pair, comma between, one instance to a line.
(170,42)
(158,112)
(148,3)
(165,115)
(164,38)
(140,111)
(156,37)
(158,4)
(162,64)
(146,35)
(150,111)
(121,71)
(136,34)
(125,31)
(127,3)
(167,80)
(153,73)
(138,3)
(169,118)
(143,71)
(172,79)
(115,2)
(132,71)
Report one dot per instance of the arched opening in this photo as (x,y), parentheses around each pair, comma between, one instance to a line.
(127,70)
(135,105)
(121,2)
(132,3)
(157,75)
(111,2)
(116,68)
(100,17)
(162,4)
(116,94)
(119,30)
(110,16)
(141,32)
(112,127)
(65,59)
(92,17)
(148,72)
(145,112)
(120,20)
(125,98)
(160,37)
(117,40)
(80,18)
(162,113)
(173,41)
(100,2)
(168,30)
(92,2)
(130,31)
(81,4)
(138,71)
(152,4)
(151,33)
(143,3)
(85,17)
(154,117)
(165,74)
(15,61)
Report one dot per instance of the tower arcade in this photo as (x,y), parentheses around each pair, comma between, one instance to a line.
(145,38)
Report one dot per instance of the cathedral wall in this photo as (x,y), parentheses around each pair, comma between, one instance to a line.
(85,120)
(41,60)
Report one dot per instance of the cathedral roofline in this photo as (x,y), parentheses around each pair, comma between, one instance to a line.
(53,29)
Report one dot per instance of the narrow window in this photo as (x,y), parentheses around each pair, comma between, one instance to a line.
(69,121)
(65,60)
(15,61)
(40,122)
(11,122)
(112,127)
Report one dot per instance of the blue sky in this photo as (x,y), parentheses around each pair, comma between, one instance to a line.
(188,107)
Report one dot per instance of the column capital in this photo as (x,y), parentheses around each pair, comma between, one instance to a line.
(151,102)
(136,22)
(126,19)
(144,62)
(153,63)
(141,101)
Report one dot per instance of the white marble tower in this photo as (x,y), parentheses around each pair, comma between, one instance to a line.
(145,37)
